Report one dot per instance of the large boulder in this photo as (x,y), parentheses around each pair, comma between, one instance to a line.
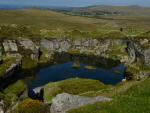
(65,102)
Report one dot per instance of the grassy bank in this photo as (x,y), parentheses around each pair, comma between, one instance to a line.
(131,97)
(72,86)
(11,94)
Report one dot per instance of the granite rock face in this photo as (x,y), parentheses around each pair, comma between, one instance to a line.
(147,56)
(127,51)
(100,47)
(136,52)
(131,52)
(65,102)
(10,46)
(47,45)
(28,44)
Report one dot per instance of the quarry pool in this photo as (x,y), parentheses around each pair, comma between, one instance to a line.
(64,71)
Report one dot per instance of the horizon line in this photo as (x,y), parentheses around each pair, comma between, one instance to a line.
(31,5)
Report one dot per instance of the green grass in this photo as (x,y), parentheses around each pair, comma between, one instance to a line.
(72,86)
(12,92)
(37,23)
(132,97)
(5,65)
(28,63)
(47,19)
(15,88)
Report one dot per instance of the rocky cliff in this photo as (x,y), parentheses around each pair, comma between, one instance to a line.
(126,51)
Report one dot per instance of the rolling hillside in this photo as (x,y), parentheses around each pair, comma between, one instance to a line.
(47,19)
(42,19)
(109,10)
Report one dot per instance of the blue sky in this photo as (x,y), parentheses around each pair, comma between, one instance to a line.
(75,2)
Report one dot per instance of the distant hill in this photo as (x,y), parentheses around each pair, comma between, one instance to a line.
(47,19)
(99,10)
(11,7)
(104,19)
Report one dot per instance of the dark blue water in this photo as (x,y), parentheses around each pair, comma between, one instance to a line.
(65,71)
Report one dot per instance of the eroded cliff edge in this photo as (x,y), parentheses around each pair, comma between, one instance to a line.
(134,54)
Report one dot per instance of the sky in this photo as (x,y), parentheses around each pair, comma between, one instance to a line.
(75,3)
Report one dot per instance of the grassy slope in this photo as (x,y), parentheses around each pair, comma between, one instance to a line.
(44,19)
(132,18)
(133,97)
(72,86)
(130,10)
(12,92)
(47,19)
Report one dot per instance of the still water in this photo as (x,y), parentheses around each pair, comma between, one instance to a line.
(64,71)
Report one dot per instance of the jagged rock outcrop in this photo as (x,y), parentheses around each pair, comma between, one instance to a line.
(107,48)
(147,56)
(131,52)
(100,47)
(136,52)
(29,45)
(47,45)
(65,102)
(10,48)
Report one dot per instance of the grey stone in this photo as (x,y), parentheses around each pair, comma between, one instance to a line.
(147,56)
(144,41)
(143,74)
(64,46)
(77,44)
(131,52)
(47,45)
(28,44)
(10,46)
(85,43)
(65,102)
